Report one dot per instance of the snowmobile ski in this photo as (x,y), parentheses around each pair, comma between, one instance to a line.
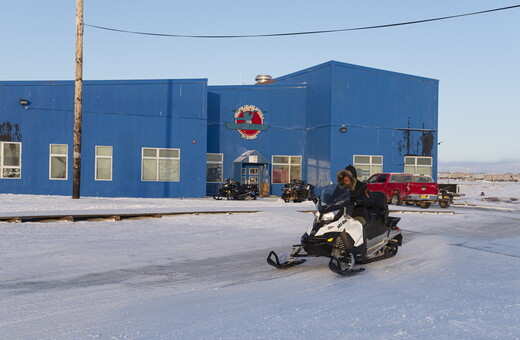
(335,266)
(274,261)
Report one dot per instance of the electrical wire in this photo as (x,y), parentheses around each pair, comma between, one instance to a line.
(300,33)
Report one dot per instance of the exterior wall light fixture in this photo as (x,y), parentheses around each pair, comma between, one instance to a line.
(25,103)
(342,129)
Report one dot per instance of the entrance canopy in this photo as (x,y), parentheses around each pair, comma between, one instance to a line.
(251,156)
(253,168)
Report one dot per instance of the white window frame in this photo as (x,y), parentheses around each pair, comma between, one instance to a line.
(290,164)
(415,165)
(371,165)
(220,162)
(65,155)
(158,159)
(4,167)
(98,157)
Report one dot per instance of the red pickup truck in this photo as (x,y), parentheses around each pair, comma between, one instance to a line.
(402,187)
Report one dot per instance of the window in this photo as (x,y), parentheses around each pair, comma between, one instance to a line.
(423,179)
(286,168)
(58,161)
(372,179)
(367,166)
(418,165)
(161,165)
(382,178)
(401,178)
(214,164)
(10,160)
(103,171)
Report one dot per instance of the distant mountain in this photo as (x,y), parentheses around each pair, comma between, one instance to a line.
(480,167)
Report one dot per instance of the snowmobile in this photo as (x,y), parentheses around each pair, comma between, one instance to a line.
(343,239)
(297,191)
(232,189)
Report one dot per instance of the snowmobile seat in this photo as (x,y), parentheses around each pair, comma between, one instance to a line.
(378,215)
(379,205)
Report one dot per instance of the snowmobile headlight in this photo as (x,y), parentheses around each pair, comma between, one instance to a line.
(325,217)
(328,216)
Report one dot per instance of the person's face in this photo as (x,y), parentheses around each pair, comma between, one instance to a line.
(346,179)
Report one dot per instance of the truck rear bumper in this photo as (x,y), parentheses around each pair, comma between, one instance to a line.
(425,197)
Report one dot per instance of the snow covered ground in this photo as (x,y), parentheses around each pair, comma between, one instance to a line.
(205,276)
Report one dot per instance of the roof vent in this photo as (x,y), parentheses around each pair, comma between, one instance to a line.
(263,78)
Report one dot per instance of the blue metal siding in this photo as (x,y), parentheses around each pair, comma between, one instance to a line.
(46,120)
(382,111)
(284,112)
(318,154)
(127,115)
(386,113)
(155,114)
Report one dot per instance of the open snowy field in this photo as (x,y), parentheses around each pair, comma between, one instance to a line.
(205,276)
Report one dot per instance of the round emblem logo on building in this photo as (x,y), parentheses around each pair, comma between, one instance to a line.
(249,121)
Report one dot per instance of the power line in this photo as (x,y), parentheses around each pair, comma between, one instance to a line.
(301,33)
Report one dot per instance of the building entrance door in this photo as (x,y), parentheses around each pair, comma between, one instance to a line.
(253,168)
(250,174)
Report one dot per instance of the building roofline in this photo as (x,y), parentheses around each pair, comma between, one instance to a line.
(257,87)
(358,67)
(101,82)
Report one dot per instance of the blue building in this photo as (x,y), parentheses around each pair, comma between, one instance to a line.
(181,138)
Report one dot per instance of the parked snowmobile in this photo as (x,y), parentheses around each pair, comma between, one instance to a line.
(231,189)
(298,191)
(336,235)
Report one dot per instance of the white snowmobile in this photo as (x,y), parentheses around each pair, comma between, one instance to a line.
(343,239)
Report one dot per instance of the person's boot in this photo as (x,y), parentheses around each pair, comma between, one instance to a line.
(359,252)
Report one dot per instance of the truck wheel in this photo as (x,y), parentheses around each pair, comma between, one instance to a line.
(444,204)
(424,205)
(396,200)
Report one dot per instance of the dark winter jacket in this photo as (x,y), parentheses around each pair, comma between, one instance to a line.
(359,193)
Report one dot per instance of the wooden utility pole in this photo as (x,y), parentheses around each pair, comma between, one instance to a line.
(78,100)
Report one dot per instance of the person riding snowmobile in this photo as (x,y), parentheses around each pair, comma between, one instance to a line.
(335,234)
(359,193)
(357,209)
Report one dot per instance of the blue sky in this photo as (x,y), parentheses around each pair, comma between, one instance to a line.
(475,58)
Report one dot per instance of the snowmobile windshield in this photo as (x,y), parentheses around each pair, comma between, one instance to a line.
(333,197)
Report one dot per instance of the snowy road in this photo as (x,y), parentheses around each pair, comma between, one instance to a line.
(205,277)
